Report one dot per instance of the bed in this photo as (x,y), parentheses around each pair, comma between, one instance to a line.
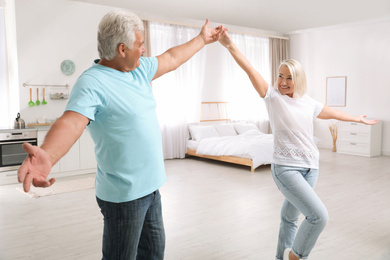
(217,138)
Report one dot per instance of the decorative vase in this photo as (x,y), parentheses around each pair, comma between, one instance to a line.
(333,132)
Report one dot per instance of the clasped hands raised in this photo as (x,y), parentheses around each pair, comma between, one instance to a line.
(219,33)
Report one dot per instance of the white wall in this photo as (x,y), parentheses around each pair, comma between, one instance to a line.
(49,32)
(358,51)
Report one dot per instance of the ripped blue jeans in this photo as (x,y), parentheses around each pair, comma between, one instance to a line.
(297,185)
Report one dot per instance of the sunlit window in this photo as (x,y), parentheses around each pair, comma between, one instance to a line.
(3,71)
(9,86)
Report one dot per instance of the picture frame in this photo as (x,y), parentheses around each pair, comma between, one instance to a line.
(336,91)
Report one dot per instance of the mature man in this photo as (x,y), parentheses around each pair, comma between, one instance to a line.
(114,100)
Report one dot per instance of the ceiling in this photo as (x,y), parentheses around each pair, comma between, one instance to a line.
(281,16)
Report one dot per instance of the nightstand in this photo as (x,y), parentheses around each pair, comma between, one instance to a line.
(359,139)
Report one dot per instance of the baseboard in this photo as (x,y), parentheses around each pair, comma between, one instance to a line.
(324,146)
(72,173)
(385,153)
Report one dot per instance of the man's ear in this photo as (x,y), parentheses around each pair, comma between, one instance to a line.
(121,49)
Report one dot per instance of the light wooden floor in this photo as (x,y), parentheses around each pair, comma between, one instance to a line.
(215,211)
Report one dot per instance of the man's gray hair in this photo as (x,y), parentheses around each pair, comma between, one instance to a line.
(117,27)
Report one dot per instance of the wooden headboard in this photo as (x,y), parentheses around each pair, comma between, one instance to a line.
(214,111)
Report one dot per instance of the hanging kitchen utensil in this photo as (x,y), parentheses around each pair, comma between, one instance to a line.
(43,100)
(38,102)
(31,103)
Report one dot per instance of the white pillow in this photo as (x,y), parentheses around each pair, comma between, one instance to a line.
(225,129)
(199,132)
(242,128)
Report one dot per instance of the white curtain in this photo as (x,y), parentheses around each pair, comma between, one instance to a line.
(9,86)
(178,93)
(3,72)
(245,102)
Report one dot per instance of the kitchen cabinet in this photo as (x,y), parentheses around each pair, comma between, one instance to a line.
(9,177)
(69,162)
(41,137)
(80,159)
(87,153)
(359,139)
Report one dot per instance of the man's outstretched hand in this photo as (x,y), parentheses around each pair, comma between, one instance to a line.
(210,35)
(35,168)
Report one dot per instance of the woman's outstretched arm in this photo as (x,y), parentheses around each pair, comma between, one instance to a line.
(257,80)
(330,113)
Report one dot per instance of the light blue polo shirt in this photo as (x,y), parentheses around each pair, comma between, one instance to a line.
(124,128)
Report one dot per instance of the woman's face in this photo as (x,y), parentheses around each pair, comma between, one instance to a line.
(285,82)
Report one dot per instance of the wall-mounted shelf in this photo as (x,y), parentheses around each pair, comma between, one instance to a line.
(43,124)
(44,85)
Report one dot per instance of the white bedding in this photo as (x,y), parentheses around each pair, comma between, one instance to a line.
(192,144)
(252,144)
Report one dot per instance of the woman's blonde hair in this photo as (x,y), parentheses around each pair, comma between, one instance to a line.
(298,76)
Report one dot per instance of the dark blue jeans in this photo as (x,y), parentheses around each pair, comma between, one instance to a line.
(133,230)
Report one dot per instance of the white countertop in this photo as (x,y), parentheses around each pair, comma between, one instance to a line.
(9,130)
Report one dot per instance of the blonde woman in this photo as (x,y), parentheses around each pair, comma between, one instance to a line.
(296,157)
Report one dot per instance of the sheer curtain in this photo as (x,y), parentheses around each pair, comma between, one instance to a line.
(9,86)
(245,102)
(3,72)
(177,93)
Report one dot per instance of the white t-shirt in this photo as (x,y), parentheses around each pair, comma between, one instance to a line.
(291,121)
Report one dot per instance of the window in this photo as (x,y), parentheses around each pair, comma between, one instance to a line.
(9,87)
(246,103)
(179,93)
(3,71)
